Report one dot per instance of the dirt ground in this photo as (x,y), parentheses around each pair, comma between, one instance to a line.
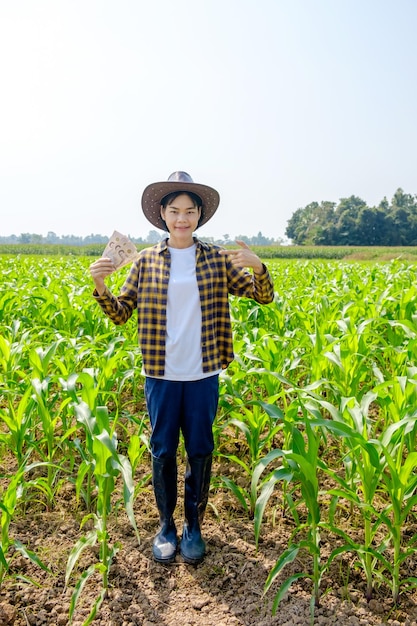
(225,590)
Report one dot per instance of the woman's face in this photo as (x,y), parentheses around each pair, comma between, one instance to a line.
(181,218)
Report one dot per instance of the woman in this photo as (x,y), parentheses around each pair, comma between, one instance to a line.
(180,289)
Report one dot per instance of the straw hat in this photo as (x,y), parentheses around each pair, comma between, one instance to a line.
(178,181)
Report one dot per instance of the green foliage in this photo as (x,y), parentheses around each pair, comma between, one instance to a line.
(68,381)
(353,223)
(100,451)
(317,414)
(267,252)
(57,249)
(336,355)
(10,548)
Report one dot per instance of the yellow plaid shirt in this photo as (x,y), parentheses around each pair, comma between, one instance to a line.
(146,288)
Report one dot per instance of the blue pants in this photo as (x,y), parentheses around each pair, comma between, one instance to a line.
(189,407)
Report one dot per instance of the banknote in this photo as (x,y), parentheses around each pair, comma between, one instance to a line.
(120,250)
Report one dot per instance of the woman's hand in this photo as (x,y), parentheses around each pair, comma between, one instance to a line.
(99,270)
(244,257)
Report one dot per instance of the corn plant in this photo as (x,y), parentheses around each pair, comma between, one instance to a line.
(381,466)
(258,422)
(364,467)
(300,467)
(13,357)
(17,419)
(400,488)
(377,467)
(101,446)
(9,547)
(51,443)
(339,341)
(397,398)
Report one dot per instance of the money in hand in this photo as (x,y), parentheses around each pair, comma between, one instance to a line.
(120,250)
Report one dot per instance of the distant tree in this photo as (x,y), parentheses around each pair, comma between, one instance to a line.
(403,200)
(153,237)
(95,239)
(347,221)
(403,212)
(72,240)
(260,240)
(52,237)
(353,223)
(372,227)
(245,239)
(310,223)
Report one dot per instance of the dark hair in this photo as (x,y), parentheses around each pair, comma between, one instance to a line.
(166,200)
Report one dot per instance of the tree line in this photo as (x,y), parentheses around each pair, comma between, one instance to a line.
(71,240)
(153,237)
(352,222)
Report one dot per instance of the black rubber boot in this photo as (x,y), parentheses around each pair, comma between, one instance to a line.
(164,480)
(197,484)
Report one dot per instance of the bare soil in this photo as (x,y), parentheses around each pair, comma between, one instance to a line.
(226,589)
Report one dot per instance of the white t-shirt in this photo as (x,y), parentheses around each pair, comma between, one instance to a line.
(183,357)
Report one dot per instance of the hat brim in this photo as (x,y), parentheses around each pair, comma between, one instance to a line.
(154,193)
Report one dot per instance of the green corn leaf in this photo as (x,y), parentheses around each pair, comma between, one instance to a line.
(104,452)
(3,561)
(284,588)
(285,558)
(259,469)
(411,581)
(29,554)
(87,541)
(272,410)
(128,492)
(235,459)
(84,416)
(134,450)
(264,496)
(102,417)
(83,469)
(78,590)
(244,428)
(237,491)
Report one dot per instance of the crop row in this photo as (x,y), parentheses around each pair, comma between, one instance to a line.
(321,399)
(266,251)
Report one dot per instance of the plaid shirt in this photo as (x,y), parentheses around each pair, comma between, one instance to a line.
(146,289)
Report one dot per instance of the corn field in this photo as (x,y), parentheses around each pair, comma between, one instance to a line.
(316,420)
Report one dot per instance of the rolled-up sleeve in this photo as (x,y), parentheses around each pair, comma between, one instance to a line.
(259,287)
(119,309)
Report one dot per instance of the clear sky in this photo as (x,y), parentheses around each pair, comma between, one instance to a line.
(274,103)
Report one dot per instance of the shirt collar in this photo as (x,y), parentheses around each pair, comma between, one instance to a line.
(163,245)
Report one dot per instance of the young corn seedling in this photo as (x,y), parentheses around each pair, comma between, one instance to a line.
(41,360)
(50,445)
(101,447)
(384,466)
(400,487)
(17,417)
(259,422)
(300,466)
(365,465)
(13,360)
(397,397)
(9,547)
(139,445)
